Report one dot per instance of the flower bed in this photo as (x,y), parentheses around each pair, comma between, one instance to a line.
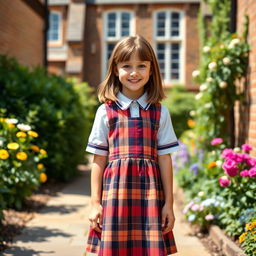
(220,188)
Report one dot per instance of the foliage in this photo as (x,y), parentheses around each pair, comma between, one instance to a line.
(224,61)
(57,109)
(21,168)
(179,103)
(222,174)
(248,238)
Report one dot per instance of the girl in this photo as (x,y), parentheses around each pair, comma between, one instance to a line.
(131,139)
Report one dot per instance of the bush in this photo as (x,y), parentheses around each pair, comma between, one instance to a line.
(21,169)
(54,108)
(179,103)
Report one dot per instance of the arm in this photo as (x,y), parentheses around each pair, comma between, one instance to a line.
(168,219)
(98,166)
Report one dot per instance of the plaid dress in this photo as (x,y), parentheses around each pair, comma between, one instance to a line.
(132,192)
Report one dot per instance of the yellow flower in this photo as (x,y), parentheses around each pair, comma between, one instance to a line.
(21,134)
(4,154)
(191,123)
(33,134)
(11,125)
(250,226)
(242,237)
(35,148)
(22,156)
(43,152)
(13,145)
(40,166)
(43,177)
(211,165)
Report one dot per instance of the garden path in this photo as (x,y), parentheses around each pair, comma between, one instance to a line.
(59,229)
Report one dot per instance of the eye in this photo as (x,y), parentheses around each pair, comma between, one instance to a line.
(142,66)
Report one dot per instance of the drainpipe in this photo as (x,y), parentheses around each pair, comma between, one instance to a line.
(46,26)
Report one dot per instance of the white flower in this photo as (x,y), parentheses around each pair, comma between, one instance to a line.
(24,127)
(237,150)
(195,73)
(223,84)
(212,65)
(206,49)
(198,96)
(191,217)
(213,152)
(209,79)
(1,143)
(192,113)
(203,87)
(233,43)
(11,121)
(208,105)
(226,60)
(201,193)
(219,163)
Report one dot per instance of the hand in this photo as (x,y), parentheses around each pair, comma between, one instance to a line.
(95,217)
(168,219)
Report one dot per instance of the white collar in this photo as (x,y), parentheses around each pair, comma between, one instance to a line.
(125,102)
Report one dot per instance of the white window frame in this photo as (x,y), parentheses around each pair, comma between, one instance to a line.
(59,41)
(168,40)
(106,39)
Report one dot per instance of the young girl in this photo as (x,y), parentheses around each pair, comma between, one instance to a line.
(131,139)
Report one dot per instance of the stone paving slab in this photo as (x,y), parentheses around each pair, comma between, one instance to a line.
(61,227)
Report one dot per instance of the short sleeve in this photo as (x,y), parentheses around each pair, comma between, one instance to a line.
(98,139)
(167,140)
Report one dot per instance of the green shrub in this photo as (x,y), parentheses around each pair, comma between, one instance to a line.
(179,102)
(54,108)
(21,169)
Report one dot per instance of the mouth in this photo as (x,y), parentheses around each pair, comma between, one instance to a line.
(134,80)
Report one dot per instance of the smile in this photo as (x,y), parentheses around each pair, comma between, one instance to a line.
(134,80)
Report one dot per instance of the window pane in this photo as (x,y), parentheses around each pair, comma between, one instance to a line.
(175,61)
(125,24)
(110,47)
(175,24)
(54,27)
(161,17)
(111,25)
(160,52)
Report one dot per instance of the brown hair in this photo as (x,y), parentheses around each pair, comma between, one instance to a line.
(123,50)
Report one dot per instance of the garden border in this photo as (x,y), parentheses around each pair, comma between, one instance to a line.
(223,242)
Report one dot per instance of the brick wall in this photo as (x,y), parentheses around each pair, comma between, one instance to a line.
(246,113)
(144,26)
(21,32)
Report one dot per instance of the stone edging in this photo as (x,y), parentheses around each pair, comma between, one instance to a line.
(223,242)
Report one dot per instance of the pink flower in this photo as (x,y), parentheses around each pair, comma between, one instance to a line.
(244,173)
(224,181)
(230,167)
(246,148)
(195,207)
(251,161)
(227,152)
(216,141)
(252,172)
(209,217)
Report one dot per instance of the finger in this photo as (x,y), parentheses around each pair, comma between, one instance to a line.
(163,220)
(101,221)
(95,226)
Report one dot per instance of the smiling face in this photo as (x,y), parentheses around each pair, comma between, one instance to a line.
(133,75)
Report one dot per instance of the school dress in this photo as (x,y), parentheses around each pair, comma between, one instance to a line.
(132,191)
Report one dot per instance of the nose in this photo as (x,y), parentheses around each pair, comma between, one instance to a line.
(133,72)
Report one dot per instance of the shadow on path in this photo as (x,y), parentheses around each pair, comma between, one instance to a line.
(21,251)
(61,209)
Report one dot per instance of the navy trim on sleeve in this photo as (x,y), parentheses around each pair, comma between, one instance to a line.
(98,147)
(170,145)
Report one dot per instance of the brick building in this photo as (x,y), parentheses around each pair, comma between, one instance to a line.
(246,112)
(170,25)
(22,31)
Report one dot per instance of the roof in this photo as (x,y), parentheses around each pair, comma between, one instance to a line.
(141,1)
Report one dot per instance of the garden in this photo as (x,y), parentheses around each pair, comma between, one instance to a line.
(216,174)
(44,125)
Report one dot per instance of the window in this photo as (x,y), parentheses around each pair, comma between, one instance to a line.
(54,32)
(168,44)
(118,24)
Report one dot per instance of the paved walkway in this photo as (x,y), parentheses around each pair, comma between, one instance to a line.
(60,228)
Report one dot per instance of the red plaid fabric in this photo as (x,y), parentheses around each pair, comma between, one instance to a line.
(132,193)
